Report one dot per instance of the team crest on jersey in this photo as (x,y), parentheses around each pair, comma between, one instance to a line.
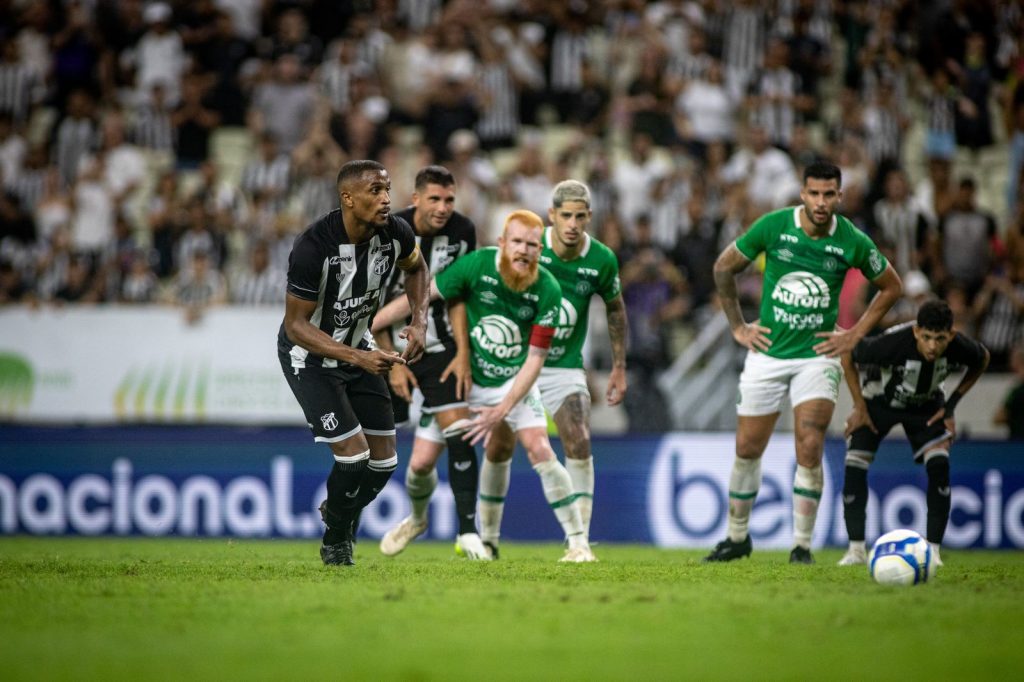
(329,421)
(830,264)
(381,265)
(525,312)
(875,260)
(583,287)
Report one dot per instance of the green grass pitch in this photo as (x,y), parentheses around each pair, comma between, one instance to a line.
(143,609)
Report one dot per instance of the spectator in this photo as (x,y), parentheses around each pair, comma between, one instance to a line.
(259,283)
(152,126)
(160,55)
(649,100)
(974,121)
(77,135)
(531,181)
(963,249)
(93,208)
(283,106)
(941,100)
(896,222)
(199,287)
(194,121)
(1011,412)
(1000,307)
(13,150)
(766,172)
(635,177)
(267,176)
(79,286)
(935,193)
(19,86)
(775,97)
(705,112)
(499,96)
(140,283)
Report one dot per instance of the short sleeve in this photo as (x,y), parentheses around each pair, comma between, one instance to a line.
(406,239)
(755,240)
(305,269)
(873,350)
(457,278)
(965,351)
(611,286)
(867,258)
(549,303)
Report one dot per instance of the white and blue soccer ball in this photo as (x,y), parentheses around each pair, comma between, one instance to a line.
(901,557)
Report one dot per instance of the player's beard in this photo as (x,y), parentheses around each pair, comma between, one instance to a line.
(515,280)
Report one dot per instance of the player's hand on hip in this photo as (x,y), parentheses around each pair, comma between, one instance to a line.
(459,367)
(483,424)
(859,418)
(949,422)
(379,361)
(753,336)
(415,342)
(402,381)
(616,386)
(836,343)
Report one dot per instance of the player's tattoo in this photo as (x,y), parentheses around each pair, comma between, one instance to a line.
(618,330)
(573,421)
(730,262)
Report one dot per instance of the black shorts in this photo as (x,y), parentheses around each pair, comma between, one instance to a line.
(437,396)
(338,403)
(915,425)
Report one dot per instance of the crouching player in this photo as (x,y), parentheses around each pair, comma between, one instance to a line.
(903,373)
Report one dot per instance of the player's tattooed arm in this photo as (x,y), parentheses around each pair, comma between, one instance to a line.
(731,262)
(618,333)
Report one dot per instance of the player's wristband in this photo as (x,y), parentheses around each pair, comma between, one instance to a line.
(951,402)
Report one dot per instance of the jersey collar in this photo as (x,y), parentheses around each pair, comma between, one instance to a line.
(547,241)
(796,220)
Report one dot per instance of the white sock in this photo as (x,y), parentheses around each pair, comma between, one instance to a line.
(858,546)
(807,486)
(558,491)
(420,488)
(581,473)
(744,482)
(494,479)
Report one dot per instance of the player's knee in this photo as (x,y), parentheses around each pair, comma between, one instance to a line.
(936,464)
(457,428)
(809,448)
(860,459)
(749,448)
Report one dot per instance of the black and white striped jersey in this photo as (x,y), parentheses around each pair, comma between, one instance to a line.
(348,281)
(893,370)
(440,250)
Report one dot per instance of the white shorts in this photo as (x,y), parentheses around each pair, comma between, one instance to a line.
(527,413)
(557,383)
(765,380)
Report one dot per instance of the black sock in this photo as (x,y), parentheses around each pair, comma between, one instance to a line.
(464,478)
(855,502)
(342,491)
(938,497)
(376,476)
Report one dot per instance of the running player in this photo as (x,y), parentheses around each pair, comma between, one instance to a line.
(794,347)
(904,371)
(336,274)
(442,376)
(584,267)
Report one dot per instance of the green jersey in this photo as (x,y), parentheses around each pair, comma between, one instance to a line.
(595,271)
(803,276)
(500,320)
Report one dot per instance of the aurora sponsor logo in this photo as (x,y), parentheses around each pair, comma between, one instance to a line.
(567,318)
(802,290)
(499,336)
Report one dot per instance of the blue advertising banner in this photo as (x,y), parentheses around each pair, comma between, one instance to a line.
(669,490)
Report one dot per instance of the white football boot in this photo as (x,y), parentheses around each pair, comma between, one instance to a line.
(579,555)
(470,545)
(936,559)
(396,539)
(854,556)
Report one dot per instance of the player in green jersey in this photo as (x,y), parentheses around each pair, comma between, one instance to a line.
(584,267)
(512,307)
(795,346)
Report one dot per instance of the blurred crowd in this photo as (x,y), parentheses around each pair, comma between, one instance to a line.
(170,151)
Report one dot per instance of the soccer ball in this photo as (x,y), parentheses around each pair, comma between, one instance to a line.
(901,557)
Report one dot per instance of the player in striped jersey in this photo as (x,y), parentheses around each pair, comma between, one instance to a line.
(442,376)
(902,384)
(336,275)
